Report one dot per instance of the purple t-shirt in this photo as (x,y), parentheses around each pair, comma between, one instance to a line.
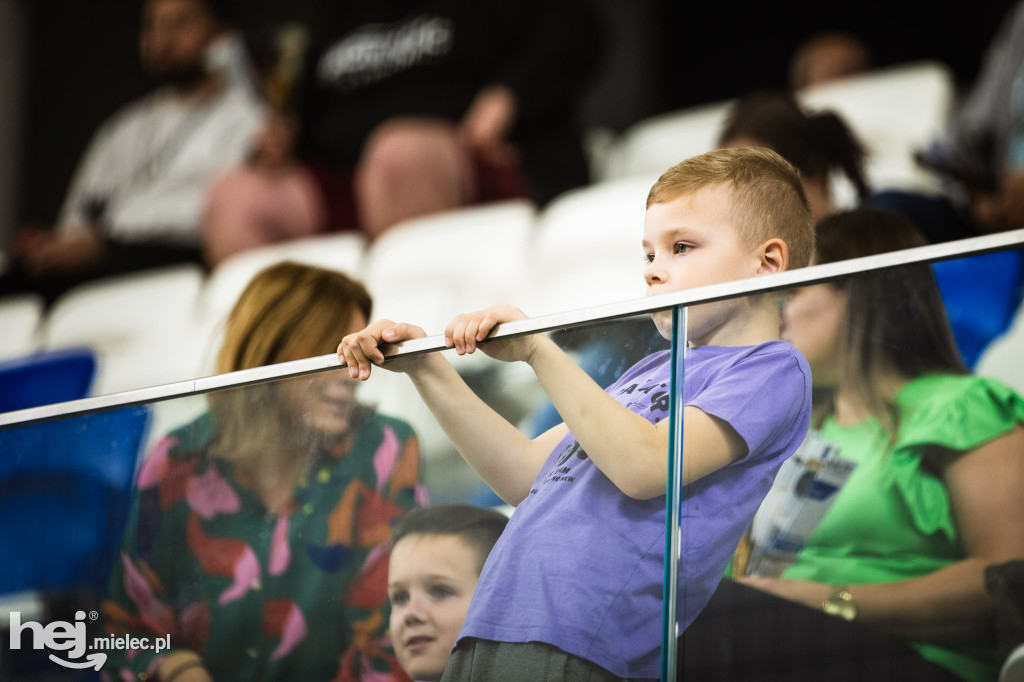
(581,565)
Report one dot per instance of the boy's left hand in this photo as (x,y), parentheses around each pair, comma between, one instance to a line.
(467,330)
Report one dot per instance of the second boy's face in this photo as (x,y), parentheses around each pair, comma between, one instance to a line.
(431,580)
(691,242)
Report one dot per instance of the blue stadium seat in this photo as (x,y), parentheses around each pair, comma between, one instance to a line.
(981,294)
(65,490)
(45,378)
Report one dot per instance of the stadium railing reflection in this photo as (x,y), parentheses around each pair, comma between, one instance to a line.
(67,470)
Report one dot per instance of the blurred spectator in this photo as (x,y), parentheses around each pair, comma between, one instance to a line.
(980,160)
(827,56)
(259,537)
(817,144)
(136,196)
(935,495)
(981,157)
(419,106)
(271,197)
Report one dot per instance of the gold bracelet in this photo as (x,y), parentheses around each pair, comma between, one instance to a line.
(840,603)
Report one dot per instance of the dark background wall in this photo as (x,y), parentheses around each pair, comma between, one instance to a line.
(715,50)
(661,55)
(83,63)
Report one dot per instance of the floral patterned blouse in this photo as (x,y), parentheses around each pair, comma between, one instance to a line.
(300,594)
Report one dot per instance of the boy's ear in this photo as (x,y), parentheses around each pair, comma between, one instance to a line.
(774,255)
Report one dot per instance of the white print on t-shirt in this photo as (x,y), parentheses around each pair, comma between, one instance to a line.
(658,401)
(642,399)
(377,51)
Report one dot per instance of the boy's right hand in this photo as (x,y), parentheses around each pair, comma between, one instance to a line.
(361,350)
(465,331)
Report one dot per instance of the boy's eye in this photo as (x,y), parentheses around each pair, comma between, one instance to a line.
(398,597)
(441,592)
(681,247)
(648,257)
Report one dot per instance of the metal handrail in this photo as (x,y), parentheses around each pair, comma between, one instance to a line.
(563,320)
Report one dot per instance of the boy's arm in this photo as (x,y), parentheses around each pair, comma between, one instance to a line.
(503,456)
(628,449)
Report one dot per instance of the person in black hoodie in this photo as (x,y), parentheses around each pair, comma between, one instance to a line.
(408,107)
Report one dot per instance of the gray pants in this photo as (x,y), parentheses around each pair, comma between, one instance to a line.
(481,660)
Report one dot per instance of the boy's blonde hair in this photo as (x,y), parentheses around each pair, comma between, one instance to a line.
(768,198)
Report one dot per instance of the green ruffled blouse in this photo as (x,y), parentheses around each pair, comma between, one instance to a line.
(893,520)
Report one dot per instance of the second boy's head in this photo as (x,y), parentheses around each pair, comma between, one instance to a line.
(725,215)
(436,560)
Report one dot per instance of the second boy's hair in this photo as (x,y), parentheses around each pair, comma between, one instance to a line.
(479,527)
(768,198)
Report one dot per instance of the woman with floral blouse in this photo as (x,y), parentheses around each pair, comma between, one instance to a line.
(259,537)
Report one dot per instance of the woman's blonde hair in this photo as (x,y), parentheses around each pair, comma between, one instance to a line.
(289,311)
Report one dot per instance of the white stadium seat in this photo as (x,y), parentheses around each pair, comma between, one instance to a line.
(426,271)
(141,326)
(655,144)
(1001,359)
(342,252)
(587,250)
(429,269)
(893,111)
(20,318)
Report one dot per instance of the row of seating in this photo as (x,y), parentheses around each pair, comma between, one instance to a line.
(893,111)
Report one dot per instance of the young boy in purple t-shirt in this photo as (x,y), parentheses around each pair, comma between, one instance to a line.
(574,586)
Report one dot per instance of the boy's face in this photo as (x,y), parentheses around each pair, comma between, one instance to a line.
(431,580)
(691,242)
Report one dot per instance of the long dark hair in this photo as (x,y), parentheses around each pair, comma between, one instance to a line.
(895,318)
(816,143)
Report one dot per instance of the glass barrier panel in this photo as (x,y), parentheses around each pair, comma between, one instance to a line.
(863,495)
(253,524)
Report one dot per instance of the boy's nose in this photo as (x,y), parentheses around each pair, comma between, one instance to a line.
(653,274)
(413,615)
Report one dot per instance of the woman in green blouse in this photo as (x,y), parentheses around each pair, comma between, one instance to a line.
(259,536)
(936,493)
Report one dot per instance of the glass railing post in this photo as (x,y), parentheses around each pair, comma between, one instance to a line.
(672,495)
